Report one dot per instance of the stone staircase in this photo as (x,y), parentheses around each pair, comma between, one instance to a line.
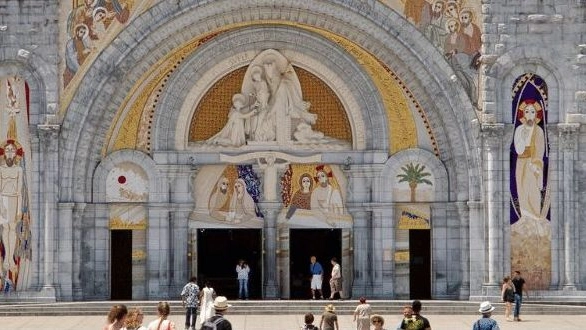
(266,307)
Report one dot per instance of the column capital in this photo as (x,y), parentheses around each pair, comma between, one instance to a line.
(568,134)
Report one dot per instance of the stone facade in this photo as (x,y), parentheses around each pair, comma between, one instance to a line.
(464,145)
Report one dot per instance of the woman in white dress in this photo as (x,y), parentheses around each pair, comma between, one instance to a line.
(206,303)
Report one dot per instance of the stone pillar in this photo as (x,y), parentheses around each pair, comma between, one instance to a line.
(78,210)
(48,139)
(270,212)
(464,241)
(65,250)
(492,138)
(568,134)
(362,281)
(158,254)
(477,251)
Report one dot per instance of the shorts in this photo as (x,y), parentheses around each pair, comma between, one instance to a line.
(316,281)
(336,284)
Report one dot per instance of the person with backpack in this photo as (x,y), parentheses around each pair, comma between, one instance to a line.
(218,322)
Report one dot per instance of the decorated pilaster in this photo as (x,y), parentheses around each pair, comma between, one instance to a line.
(492,150)
(78,211)
(362,277)
(568,134)
(49,142)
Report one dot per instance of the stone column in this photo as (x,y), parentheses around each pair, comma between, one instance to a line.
(568,134)
(362,281)
(49,152)
(464,241)
(158,240)
(476,254)
(492,150)
(270,212)
(78,210)
(65,250)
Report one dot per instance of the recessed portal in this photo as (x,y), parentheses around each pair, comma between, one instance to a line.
(322,243)
(121,264)
(218,253)
(420,264)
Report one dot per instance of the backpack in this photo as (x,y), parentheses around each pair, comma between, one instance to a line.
(211,325)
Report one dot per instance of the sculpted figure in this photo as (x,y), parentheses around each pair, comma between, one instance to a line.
(233,133)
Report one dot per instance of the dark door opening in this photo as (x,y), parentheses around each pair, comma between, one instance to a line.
(304,243)
(121,264)
(420,264)
(218,253)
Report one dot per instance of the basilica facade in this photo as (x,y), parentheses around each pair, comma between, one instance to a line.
(431,147)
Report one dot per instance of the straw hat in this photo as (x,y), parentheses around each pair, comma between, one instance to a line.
(221,303)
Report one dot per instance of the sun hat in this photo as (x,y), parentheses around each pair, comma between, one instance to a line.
(486,307)
(221,303)
(330,308)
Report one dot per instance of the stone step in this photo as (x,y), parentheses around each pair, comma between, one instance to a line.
(275,307)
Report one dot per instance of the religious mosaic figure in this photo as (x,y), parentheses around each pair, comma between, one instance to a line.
(11,188)
(301,198)
(529,142)
(530,201)
(219,200)
(242,206)
(325,197)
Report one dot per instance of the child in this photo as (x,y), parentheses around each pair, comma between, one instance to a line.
(233,133)
(309,323)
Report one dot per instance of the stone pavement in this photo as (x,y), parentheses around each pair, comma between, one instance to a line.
(294,322)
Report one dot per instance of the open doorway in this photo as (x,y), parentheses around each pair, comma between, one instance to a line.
(218,253)
(420,264)
(121,264)
(322,243)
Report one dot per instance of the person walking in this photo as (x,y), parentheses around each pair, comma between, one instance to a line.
(336,279)
(206,304)
(218,321)
(508,296)
(189,299)
(329,319)
(362,315)
(416,306)
(485,322)
(317,272)
(242,270)
(162,322)
(518,285)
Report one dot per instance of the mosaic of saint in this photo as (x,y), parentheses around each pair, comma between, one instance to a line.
(530,191)
(314,196)
(15,165)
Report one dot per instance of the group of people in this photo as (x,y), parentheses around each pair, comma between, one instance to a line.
(317,273)
(211,313)
(512,293)
(364,318)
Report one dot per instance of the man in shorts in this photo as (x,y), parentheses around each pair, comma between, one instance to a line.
(336,279)
(317,273)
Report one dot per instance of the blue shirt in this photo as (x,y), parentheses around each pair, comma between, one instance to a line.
(316,269)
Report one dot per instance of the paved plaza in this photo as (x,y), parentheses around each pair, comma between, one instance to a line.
(292,322)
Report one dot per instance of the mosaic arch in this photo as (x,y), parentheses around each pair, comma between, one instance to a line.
(529,182)
(15,189)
